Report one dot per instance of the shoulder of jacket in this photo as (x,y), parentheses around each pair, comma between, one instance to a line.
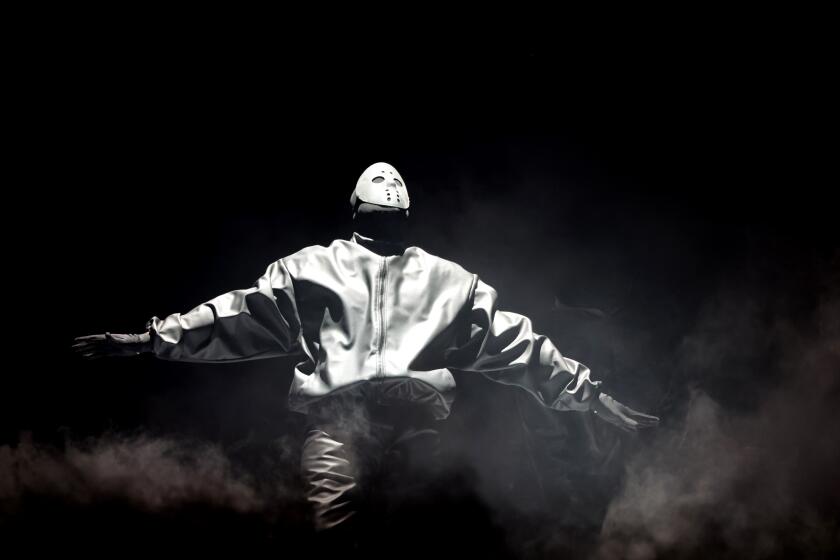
(445,265)
(300,258)
(316,254)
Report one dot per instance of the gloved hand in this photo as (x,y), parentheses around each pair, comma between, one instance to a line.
(610,410)
(112,345)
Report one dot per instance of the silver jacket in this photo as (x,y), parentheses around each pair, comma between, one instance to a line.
(357,319)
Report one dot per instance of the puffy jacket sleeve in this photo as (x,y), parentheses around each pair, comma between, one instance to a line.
(258,322)
(504,348)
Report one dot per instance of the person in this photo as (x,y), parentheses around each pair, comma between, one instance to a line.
(378,325)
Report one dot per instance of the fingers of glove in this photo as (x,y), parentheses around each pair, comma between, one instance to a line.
(641,418)
(647,421)
(622,408)
(642,423)
(630,425)
(101,348)
(104,342)
(89,343)
(90,338)
(616,419)
(82,348)
(625,426)
(627,422)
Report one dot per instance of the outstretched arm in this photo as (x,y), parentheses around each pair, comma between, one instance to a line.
(503,347)
(259,322)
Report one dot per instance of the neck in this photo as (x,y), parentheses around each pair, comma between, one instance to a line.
(380,246)
(383,227)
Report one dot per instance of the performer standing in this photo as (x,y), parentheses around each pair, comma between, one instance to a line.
(378,325)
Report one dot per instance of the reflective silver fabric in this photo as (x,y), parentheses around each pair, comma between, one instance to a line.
(360,458)
(355,317)
(331,479)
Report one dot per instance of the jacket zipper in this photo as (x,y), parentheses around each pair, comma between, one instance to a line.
(381,342)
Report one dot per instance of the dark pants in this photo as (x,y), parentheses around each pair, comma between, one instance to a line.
(363,461)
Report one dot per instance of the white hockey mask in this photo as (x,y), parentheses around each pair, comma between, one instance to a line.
(381,184)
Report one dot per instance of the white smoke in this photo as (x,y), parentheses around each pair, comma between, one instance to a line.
(754,484)
(148,472)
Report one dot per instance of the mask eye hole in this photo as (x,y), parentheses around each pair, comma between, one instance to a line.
(397,181)
(378,179)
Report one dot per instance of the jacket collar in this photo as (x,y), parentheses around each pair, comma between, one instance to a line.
(383,248)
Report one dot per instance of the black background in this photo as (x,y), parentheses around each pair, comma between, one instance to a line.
(160,165)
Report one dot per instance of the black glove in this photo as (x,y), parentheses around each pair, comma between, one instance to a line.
(620,415)
(110,345)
